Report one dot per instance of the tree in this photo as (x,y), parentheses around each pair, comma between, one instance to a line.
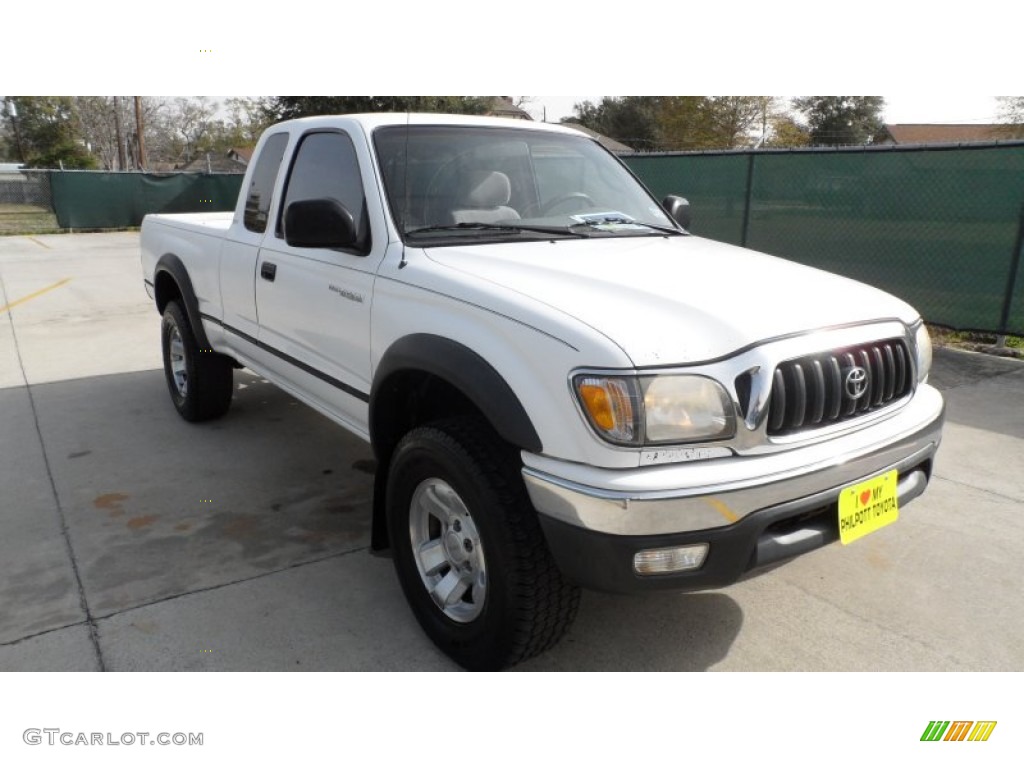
(680,122)
(8,146)
(1011,112)
(246,121)
(46,135)
(95,123)
(734,120)
(686,123)
(633,120)
(289,107)
(838,120)
(193,123)
(784,131)
(714,122)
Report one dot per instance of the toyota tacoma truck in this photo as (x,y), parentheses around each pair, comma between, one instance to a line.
(562,387)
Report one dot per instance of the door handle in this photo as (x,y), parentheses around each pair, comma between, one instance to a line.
(268,271)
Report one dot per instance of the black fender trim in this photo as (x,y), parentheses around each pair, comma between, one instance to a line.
(470,374)
(466,371)
(173,266)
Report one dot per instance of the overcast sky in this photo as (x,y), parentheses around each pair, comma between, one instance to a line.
(939,61)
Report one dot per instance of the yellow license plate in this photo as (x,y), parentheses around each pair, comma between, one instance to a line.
(867,506)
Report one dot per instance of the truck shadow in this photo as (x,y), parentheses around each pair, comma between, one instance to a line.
(159,509)
(659,632)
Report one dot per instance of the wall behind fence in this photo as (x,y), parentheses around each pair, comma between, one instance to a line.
(939,227)
(98,200)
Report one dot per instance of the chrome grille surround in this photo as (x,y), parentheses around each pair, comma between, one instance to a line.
(822,389)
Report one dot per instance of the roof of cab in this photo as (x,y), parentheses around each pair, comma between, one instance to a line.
(369,121)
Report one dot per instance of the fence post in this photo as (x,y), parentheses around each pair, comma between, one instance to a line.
(746,204)
(1011,281)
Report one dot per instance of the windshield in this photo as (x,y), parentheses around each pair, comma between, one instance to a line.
(452,183)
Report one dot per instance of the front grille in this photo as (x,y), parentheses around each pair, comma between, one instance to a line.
(818,390)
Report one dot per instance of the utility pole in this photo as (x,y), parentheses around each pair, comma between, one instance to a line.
(121,160)
(139,133)
(13,112)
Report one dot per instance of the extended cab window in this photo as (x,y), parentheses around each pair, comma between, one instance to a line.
(326,167)
(261,188)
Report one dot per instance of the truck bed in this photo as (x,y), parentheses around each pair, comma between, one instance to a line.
(213,223)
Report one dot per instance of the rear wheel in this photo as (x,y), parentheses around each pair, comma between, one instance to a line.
(199,380)
(468,548)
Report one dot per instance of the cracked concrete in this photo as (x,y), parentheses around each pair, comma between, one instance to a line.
(134,541)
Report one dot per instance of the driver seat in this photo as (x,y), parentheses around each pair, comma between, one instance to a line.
(484,199)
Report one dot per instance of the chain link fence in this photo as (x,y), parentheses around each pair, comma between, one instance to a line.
(34,201)
(941,227)
(26,202)
(110,200)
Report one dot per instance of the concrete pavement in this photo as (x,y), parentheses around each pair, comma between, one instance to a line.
(134,541)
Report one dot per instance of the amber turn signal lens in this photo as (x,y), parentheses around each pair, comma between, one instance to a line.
(612,404)
(599,406)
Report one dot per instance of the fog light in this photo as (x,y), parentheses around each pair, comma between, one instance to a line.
(654,561)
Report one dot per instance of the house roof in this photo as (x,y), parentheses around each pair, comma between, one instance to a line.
(948,133)
(605,141)
(502,106)
(242,154)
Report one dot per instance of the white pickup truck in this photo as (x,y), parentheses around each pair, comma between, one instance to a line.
(562,387)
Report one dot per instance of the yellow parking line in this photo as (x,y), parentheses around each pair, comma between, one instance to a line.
(39,243)
(40,292)
(722,508)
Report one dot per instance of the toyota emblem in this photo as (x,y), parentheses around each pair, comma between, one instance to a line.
(856,382)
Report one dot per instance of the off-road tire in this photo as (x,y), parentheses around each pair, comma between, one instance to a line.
(527,605)
(199,380)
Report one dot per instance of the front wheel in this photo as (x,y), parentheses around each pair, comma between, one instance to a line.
(468,548)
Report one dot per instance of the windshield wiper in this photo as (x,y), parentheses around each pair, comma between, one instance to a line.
(601,224)
(510,228)
(662,228)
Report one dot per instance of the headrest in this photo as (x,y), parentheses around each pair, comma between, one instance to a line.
(488,189)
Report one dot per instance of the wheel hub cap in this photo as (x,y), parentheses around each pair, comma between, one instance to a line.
(447,549)
(177,354)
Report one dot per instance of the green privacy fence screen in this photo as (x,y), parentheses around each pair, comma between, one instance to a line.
(98,200)
(940,227)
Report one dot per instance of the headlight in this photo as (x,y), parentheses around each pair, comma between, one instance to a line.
(923,342)
(680,409)
(650,410)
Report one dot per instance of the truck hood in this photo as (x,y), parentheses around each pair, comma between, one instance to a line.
(673,300)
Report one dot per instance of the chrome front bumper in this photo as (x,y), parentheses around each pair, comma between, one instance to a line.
(714,494)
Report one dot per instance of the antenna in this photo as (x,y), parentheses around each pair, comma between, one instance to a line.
(405,192)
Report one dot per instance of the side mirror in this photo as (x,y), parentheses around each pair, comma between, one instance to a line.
(678,208)
(323,223)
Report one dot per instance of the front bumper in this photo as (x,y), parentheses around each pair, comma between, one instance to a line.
(752,511)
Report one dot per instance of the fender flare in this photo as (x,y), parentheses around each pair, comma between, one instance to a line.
(174,267)
(468,372)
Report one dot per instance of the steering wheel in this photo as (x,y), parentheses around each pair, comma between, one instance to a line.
(555,202)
